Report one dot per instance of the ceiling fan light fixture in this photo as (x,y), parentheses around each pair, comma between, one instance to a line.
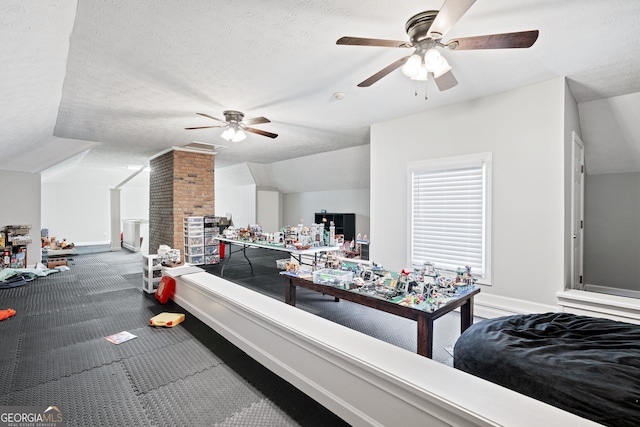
(411,68)
(239,136)
(229,133)
(423,74)
(432,59)
(443,69)
(436,63)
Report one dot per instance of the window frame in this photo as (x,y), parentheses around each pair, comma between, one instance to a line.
(449,163)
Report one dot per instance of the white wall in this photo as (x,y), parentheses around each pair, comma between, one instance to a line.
(240,202)
(344,169)
(20,204)
(236,193)
(269,210)
(337,181)
(612,230)
(76,203)
(524,129)
(304,205)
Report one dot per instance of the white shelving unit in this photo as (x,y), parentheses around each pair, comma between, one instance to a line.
(151,273)
(194,240)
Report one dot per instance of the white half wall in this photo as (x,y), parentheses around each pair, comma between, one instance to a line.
(20,195)
(524,129)
(363,380)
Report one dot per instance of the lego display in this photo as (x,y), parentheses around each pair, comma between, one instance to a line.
(423,288)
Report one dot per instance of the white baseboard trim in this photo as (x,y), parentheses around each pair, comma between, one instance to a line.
(100,242)
(595,304)
(489,306)
(363,380)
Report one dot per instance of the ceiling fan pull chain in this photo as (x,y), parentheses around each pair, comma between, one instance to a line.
(415,89)
(425,90)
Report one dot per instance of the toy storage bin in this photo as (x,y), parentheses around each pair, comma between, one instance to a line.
(194,240)
(194,221)
(212,250)
(282,263)
(212,259)
(195,259)
(195,250)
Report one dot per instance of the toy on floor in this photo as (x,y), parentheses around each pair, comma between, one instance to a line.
(166,319)
(5,314)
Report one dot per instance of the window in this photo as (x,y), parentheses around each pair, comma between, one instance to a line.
(450,213)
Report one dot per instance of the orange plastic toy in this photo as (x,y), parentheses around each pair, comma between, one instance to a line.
(5,314)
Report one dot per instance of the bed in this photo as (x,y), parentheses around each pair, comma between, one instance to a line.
(584,365)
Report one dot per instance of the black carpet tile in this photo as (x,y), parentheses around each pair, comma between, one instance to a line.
(54,352)
(97,397)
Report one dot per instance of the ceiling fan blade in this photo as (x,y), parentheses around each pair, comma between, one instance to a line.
(450,13)
(522,39)
(446,81)
(386,70)
(206,127)
(257,120)
(261,132)
(211,117)
(359,41)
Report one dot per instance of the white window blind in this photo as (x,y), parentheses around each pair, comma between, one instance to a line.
(448,216)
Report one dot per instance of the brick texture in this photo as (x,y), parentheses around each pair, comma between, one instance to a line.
(181,185)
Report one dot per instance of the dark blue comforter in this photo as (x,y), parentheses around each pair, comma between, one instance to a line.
(584,365)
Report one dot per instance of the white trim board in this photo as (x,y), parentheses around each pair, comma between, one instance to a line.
(489,306)
(363,380)
(600,305)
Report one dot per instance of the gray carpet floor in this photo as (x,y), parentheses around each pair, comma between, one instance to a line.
(54,351)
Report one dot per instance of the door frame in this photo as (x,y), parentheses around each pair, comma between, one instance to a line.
(577,213)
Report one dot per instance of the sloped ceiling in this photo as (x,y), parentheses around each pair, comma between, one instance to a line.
(124,78)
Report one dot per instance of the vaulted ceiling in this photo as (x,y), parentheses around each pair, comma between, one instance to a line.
(123,78)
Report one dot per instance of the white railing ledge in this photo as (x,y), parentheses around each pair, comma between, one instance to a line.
(587,303)
(363,380)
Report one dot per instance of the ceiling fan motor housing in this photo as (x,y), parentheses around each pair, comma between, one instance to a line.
(233,116)
(418,25)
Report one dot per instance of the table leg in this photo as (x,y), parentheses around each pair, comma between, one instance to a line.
(290,293)
(244,252)
(425,336)
(226,260)
(466,315)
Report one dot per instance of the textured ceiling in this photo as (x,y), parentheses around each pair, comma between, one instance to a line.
(124,78)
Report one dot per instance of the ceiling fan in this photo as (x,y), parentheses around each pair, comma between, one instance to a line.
(426,30)
(236,125)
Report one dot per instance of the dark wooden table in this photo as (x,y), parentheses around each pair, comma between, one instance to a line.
(424,318)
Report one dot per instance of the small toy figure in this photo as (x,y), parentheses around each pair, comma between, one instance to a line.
(292,267)
(403,282)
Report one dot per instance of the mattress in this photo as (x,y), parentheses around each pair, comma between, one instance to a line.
(585,365)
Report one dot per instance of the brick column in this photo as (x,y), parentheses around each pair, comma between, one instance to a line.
(181,184)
